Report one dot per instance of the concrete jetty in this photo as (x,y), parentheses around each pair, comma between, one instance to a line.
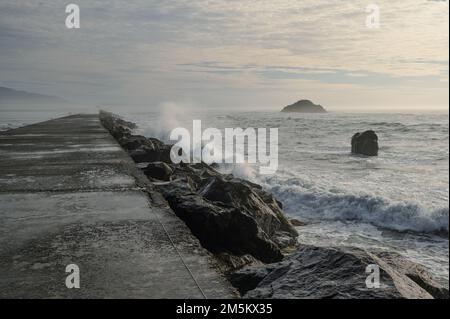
(70,195)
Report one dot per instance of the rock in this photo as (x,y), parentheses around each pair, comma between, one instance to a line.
(133,142)
(319,272)
(118,127)
(252,200)
(158,170)
(244,226)
(229,262)
(248,278)
(140,148)
(144,150)
(144,154)
(231,215)
(297,223)
(221,229)
(365,143)
(416,273)
(304,106)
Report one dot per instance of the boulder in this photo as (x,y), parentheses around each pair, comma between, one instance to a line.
(229,262)
(158,170)
(252,200)
(144,154)
(330,272)
(297,223)
(145,150)
(230,215)
(133,142)
(365,143)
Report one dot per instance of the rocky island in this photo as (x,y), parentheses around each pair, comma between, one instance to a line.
(304,106)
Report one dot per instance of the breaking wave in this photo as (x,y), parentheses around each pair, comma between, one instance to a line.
(378,211)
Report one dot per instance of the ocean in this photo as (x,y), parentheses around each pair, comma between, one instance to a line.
(397,201)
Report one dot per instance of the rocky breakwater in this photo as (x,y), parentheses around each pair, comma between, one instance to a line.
(245,228)
(365,143)
(344,272)
(233,218)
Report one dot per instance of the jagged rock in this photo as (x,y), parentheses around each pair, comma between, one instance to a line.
(365,143)
(416,273)
(158,170)
(146,150)
(133,142)
(297,223)
(144,154)
(319,272)
(222,229)
(248,278)
(251,199)
(229,215)
(118,127)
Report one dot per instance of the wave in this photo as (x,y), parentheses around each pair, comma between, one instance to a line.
(378,211)
(8,126)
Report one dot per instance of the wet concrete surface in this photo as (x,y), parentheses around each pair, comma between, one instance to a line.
(70,195)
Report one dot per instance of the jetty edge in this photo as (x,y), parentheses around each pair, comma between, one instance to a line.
(70,195)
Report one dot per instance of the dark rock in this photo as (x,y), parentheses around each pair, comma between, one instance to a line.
(365,143)
(140,148)
(133,142)
(229,262)
(242,224)
(319,272)
(304,106)
(230,215)
(144,154)
(248,278)
(297,223)
(157,143)
(143,150)
(164,154)
(158,170)
(118,127)
(222,229)
(249,198)
(416,273)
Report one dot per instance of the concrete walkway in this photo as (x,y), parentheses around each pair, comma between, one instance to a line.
(70,195)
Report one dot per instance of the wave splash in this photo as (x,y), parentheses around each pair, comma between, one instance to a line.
(313,205)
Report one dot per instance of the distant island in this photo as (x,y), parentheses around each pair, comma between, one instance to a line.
(304,106)
(11,96)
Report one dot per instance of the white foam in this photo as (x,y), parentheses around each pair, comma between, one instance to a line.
(307,203)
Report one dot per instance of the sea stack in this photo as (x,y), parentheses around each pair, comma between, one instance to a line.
(365,143)
(304,106)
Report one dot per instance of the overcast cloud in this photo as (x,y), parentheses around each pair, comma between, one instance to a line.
(229,53)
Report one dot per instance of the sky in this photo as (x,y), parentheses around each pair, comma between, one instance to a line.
(243,54)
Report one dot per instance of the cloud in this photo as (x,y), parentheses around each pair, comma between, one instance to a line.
(153,51)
